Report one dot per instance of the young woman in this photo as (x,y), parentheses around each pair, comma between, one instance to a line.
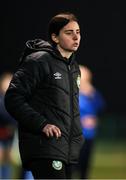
(43,98)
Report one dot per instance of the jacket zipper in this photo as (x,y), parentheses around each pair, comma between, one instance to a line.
(71,107)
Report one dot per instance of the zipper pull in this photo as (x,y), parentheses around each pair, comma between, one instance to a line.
(69,67)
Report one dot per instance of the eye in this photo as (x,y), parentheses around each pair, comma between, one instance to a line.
(68,33)
(78,32)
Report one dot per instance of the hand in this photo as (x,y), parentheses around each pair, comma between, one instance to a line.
(51,130)
(89,122)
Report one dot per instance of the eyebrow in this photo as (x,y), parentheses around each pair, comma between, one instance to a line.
(71,30)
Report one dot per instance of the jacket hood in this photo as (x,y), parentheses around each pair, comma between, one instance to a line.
(35,45)
(40,45)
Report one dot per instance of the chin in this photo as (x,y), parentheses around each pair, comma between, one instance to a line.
(75,49)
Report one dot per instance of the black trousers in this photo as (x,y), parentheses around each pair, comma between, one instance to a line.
(43,169)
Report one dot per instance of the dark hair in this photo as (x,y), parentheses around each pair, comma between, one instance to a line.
(58,22)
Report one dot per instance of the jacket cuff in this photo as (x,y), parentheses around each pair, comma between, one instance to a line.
(42,125)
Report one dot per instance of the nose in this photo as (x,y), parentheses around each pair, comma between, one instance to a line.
(75,36)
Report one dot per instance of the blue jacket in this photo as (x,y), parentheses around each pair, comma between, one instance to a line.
(90,106)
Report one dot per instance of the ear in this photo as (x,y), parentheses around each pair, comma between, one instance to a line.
(55,38)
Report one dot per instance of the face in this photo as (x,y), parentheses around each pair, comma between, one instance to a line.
(5,83)
(86,75)
(68,39)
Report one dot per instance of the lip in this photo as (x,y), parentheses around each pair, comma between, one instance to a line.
(75,44)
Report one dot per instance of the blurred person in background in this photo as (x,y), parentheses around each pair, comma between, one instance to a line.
(91,105)
(43,97)
(7,130)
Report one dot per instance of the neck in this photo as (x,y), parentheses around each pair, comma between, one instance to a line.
(66,54)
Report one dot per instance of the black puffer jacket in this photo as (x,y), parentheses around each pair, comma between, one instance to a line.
(45,90)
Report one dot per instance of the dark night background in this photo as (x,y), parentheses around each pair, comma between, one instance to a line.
(103,44)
